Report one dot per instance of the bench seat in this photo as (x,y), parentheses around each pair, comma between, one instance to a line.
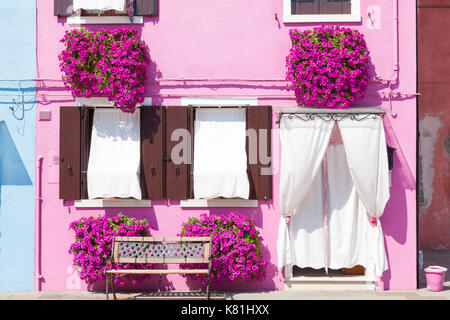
(156,271)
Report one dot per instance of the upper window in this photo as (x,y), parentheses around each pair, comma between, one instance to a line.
(104,11)
(321,11)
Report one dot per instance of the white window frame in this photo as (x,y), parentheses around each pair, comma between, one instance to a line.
(109,203)
(354,16)
(219,203)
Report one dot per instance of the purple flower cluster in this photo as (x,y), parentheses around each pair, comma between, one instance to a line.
(92,247)
(327,66)
(108,63)
(236,247)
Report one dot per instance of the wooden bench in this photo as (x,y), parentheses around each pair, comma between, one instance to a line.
(160,250)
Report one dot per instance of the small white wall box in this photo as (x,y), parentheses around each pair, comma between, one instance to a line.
(45,115)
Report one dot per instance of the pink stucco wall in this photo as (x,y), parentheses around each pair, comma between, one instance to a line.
(241,40)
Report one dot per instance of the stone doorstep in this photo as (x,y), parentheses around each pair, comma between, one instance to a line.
(330,283)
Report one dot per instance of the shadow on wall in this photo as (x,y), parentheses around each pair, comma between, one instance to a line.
(12,168)
(395,219)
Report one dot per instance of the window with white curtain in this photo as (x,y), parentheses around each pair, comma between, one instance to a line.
(114,158)
(321,11)
(220,158)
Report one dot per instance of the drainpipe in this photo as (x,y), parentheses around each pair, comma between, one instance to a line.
(38,213)
(394,78)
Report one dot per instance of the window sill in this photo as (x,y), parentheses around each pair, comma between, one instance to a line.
(307,18)
(219,203)
(112,203)
(77,20)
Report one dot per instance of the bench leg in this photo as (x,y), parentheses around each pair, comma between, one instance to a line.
(107,284)
(208,293)
(113,289)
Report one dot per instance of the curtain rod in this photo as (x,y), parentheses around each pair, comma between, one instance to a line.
(331,116)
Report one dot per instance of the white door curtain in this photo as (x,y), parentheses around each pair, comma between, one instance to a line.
(220,157)
(332,229)
(115,156)
(365,147)
(303,145)
(118,5)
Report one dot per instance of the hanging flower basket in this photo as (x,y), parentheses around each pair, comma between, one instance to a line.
(327,66)
(109,63)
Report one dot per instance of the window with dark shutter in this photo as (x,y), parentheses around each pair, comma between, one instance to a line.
(63,8)
(166,151)
(259,136)
(70,153)
(320,7)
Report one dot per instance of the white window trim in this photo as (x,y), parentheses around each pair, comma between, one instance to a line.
(219,203)
(80,20)
(213,101)
(112,203)
(355,15)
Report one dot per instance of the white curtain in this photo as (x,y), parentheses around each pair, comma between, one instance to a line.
(114,159)
(118,5)
(365,147)
(220,157)
(306,231)
(303,145)
(346,227)
(347,222)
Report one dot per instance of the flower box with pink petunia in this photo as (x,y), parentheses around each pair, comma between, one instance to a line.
(108,63)
(328,66)
(236,247)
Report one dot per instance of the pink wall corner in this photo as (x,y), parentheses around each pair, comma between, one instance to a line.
(219,42)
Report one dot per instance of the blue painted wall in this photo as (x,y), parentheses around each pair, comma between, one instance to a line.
(17,144)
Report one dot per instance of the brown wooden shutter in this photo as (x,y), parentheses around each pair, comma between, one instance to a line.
(259,118)
(178,175)
(62,8)
(69,153)
(152,152)
(146,7)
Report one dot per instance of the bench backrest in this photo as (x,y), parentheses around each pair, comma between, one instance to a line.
(161,249)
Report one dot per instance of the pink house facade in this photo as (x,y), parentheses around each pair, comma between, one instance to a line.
(230,53)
